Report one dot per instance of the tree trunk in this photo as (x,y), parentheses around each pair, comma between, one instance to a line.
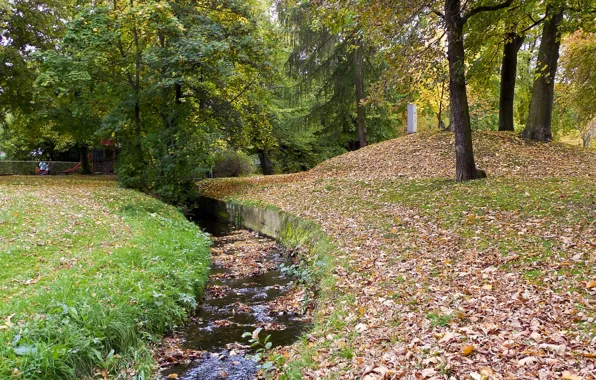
(441,124)
(508,76)
(84,157)
(465,168)
(360,111)
(266,165)
(540,115)
(138,146)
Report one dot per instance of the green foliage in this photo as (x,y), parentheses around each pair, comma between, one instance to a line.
(318,119)
(576,106)
(169,82)
(263,350)
(231,163)
(94,306)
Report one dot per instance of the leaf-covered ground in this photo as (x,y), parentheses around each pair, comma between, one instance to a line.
(89,274)
(491,279)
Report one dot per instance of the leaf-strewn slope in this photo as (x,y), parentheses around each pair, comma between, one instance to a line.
(490,279)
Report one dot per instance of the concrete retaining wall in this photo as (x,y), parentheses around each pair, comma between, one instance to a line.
(268,222)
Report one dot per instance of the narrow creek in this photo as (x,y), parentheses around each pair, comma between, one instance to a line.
(246,290)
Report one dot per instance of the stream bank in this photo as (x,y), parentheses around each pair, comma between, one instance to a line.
(246,290)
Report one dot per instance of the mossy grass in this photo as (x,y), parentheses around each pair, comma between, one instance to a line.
(91,275)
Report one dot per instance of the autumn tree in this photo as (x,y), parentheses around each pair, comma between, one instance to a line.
(578,83)
(170,81)
(539,122)
(560,16)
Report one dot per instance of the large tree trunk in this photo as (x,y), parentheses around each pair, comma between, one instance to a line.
(540,115)
(360,112)
(84,157)
(508,76)
(465,168)
(266,165)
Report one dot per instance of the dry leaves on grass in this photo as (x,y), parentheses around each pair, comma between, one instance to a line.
(436,279)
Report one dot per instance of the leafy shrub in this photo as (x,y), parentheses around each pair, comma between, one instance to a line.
(231,163)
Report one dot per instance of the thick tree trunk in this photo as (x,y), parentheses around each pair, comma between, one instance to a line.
(508,76)
(266,165)
(360,111)
(540,115)
(465,168)
(84,157)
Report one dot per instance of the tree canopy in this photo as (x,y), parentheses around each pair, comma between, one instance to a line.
(176,84)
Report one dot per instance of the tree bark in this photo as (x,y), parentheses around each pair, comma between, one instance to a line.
(539,125)
(508,76)
(360,111)
(138,146)
(84,157)
(266,166)
(465,167)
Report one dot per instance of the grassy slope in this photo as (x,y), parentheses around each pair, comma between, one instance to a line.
(90,273)
(428,267)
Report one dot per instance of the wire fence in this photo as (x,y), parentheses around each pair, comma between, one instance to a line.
(31,167)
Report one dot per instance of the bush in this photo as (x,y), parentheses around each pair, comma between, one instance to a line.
(230,163)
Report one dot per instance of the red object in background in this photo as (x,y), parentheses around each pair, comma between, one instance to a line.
(106,142)
(73,169)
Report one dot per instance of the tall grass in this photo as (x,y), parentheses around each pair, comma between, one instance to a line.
(102,289)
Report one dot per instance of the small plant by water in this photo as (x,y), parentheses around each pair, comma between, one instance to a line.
(264,353)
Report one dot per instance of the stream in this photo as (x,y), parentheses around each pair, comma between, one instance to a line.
(246,290)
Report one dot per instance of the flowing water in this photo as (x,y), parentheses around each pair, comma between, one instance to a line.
(237,299)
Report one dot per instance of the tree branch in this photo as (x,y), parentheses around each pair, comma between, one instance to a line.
(243,90)
(537,22)
(485,8)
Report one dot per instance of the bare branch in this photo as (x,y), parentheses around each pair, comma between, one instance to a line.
(485,8)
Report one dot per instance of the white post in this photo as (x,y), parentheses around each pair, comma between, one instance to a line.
(412,118)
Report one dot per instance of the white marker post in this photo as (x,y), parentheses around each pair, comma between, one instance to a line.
(412,118)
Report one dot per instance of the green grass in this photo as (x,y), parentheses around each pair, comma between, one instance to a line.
(439,320)
(90,275)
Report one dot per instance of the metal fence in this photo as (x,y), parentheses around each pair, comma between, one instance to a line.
(29,167)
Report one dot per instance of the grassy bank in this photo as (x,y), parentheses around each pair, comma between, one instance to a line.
(489,279)
(90,275)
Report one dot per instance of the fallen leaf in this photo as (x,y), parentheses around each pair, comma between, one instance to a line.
(447,337)
(591,284)
(557,349)
(467,350)
(486,371)
(570,376)
(527,361)
(428,372)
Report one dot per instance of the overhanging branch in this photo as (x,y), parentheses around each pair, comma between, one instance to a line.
(485,8)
